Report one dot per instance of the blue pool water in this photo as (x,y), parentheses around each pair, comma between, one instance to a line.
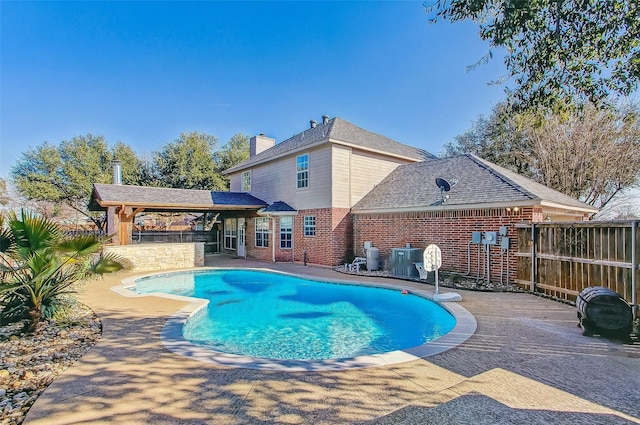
(277,316)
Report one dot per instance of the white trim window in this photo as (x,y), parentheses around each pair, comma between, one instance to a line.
(245,181)
(262,232)
(286,232)
(230,233)
(302,171)
(309,225)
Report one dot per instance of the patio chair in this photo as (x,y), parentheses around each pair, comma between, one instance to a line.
(356,263)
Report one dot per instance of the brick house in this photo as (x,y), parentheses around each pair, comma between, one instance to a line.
(408,207)
(320,195)
(335,186)
(319,174)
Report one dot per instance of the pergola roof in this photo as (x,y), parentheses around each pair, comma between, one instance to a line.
(154,199)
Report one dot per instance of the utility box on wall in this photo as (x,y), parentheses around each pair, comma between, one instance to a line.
(490,238)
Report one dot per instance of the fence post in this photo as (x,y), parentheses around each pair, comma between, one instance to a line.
(634,268)
(533,257)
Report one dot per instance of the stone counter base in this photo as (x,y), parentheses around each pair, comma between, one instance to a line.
(160,256)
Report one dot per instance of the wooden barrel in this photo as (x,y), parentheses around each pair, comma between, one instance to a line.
(603,311)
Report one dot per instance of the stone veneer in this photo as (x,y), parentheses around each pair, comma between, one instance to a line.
(160,256)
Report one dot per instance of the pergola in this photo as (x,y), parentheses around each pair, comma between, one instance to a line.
(123,202)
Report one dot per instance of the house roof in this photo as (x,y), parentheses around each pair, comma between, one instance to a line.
(163,199)
(480,183)
(278,208)
(338,131)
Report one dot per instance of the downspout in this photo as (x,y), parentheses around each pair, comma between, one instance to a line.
(273,239)
(293,238)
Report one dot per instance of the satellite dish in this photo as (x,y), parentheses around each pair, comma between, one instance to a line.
(445,186)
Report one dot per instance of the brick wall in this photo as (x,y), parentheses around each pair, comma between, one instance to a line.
(450,230)
(333,239)
(332,242)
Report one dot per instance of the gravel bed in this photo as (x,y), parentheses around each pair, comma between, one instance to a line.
(446,280)
(30,363)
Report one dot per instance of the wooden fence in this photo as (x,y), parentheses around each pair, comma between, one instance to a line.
(562,259)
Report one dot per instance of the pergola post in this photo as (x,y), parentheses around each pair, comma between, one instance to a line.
(124,224)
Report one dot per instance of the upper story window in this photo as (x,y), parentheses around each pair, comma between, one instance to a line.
(302,171)
(245,181)
(309,225)
(286,232)
(262,232)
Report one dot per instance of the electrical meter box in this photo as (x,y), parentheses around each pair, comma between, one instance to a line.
(504,242)
(476,237)
(490,238)
(503,230)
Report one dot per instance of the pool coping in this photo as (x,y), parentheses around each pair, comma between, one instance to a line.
(172,338)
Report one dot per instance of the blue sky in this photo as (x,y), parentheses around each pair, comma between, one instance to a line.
(143,72)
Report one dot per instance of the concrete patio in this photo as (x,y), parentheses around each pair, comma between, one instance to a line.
(526,363)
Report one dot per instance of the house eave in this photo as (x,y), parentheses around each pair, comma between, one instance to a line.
(178,207)
(446,207)
(240,167)
(376,151)
(585,209)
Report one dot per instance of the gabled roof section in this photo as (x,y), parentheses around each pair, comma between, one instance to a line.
(338,131)
(480,184)
(278,208)
(164,199)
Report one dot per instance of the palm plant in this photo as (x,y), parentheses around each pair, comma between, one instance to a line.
(40,265)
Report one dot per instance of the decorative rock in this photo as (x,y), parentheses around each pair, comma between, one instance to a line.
(29,363)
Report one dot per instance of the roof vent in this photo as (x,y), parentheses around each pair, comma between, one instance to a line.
(313,123)
(325,119)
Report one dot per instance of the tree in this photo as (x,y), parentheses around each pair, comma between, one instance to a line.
(590,154)
(40,265)
(188,163)
(498,138)
(233,152)
(64,174)
(557,50)
(4,194)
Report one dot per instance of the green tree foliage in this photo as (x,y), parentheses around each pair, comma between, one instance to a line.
(64,174)
(40,265)
(188,163)
(498,138)
(590,154)
(557,50)
(233,152)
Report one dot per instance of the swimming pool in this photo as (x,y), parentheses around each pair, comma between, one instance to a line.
(263,317)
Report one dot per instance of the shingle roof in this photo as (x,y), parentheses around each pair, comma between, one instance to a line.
(338,131)
(480,182)
(159,198)
(279,207)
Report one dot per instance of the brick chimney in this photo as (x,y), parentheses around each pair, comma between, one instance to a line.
(260,143)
